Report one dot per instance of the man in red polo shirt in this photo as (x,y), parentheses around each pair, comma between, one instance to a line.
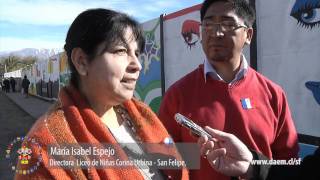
(226,94)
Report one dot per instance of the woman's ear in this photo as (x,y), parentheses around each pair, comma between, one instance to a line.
(80,61)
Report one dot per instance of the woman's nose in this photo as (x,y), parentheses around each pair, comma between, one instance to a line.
(135,64)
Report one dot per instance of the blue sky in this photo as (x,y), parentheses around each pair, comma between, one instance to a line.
(44,23)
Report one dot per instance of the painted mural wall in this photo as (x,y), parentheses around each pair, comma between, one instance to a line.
(64,71)
(47,76)
(148,88)
(288,54)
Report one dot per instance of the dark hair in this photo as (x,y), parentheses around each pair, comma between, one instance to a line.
(95,27)
(242,8)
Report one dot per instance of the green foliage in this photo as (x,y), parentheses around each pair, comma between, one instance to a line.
(13,63)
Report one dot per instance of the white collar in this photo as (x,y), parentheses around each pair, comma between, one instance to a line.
(209,69)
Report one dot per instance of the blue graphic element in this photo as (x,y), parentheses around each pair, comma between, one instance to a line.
(314,87)
(307,12)
(306,149)
(150,59)
(153,74)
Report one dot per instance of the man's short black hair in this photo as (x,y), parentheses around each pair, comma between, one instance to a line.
(242,8)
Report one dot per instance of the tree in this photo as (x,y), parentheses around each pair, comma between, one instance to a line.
(13,63)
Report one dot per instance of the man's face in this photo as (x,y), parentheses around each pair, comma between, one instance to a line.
(223,44)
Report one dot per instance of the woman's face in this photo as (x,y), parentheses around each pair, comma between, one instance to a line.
(112,76)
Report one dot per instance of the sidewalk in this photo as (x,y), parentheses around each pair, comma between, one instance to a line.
(34,106)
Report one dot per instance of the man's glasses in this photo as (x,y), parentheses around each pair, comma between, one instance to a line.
(225,26)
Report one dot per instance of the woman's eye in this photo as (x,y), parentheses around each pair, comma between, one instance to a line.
(137,54)
(308,15)
(120,52)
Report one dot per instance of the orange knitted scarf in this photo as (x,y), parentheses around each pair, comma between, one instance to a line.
(72,120)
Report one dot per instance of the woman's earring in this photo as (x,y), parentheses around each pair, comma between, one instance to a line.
(83,73)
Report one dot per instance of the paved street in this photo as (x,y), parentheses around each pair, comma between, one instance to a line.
(17,115)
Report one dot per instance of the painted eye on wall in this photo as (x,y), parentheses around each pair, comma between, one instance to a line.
(307,12)
(190,38)
(190,32)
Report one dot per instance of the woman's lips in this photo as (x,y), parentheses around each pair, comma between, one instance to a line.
(130,83)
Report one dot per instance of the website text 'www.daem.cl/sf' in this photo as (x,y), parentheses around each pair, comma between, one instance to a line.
(292,161)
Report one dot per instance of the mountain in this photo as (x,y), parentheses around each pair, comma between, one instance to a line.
(41,54)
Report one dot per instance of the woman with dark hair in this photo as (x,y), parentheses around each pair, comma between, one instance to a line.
(97,107)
